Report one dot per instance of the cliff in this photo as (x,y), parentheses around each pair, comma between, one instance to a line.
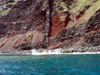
(74,24)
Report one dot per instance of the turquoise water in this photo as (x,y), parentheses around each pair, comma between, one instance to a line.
(50,65)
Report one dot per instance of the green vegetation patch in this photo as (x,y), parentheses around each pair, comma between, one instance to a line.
(95,6)
(61,6)
(5,12)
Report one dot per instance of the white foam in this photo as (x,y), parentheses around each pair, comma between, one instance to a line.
(46,52)
(58,52)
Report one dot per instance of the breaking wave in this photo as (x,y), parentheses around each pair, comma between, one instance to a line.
(73,50)
(46,52)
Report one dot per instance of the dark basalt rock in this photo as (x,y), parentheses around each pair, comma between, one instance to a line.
(66,34)
(26,47)
(3,29)
(69,2)
(40,45)
(92,28)
(93,39)
(27,13)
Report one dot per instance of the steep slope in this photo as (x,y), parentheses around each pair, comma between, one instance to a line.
(74,23)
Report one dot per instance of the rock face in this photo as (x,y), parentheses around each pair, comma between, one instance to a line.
(73,23)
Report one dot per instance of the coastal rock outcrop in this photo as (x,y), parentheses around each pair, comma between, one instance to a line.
(73,22)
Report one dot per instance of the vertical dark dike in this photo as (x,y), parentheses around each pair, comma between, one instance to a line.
(49,8)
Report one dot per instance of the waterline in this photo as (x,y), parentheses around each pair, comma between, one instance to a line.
(58,52)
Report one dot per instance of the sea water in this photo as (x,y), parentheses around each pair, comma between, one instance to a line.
(88,64)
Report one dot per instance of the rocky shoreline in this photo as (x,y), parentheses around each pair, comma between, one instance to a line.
(81,50)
